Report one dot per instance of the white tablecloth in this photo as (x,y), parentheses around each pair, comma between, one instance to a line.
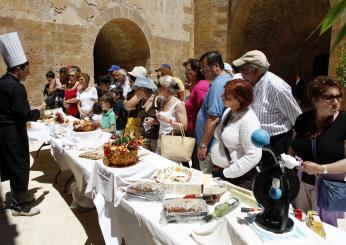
(140,222)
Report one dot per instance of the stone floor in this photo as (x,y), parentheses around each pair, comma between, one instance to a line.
(57,223)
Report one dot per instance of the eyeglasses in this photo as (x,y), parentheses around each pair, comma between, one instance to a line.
(331,98)
(71,75)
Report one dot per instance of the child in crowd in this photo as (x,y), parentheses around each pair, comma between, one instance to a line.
(108,122)
(96,113)
(119,110)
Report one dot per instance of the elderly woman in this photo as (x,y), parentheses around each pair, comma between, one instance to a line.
(86,96)
(172,116)
(70,99)
(233,136)
(319,140)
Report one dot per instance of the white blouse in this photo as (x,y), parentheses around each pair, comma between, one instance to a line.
(237,138)
(87,99)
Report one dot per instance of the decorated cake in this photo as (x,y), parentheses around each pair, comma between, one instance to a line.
(121,151)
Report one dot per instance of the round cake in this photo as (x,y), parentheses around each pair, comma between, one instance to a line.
(121,151)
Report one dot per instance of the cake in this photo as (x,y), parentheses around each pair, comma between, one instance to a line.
(121,151)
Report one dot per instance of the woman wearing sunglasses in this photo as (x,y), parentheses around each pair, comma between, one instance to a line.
(319,140)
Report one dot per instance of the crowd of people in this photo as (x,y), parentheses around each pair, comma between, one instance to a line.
(217,106)
(220,109)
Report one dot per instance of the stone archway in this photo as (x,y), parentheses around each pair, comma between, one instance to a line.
(121,42)
(116,15)
(279,28)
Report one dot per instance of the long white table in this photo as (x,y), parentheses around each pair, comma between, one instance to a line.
(140,222)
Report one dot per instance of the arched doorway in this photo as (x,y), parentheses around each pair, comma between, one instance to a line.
(279,28)
(120,42)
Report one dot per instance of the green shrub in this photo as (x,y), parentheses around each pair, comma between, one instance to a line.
(341,68)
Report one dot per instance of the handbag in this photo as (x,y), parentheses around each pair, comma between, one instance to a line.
(331,193)
(177,148)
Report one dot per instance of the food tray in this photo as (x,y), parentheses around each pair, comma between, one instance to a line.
(147,190)
(184,210)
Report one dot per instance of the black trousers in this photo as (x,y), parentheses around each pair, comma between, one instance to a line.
(281,142)
(14,158)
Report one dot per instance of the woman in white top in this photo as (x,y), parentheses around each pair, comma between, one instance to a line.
(86,96)
(173,116)
(233,136)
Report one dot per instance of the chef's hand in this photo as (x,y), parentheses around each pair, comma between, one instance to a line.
(202,153)
(41,107)
(65,104)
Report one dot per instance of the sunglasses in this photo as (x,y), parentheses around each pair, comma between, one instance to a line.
(331,98)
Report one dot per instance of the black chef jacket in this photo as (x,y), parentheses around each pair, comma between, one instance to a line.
(14,146)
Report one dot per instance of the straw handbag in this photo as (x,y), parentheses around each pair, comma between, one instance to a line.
(177,148)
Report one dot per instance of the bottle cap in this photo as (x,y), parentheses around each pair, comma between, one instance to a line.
(276,183)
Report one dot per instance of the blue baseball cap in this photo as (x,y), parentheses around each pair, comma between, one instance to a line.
(164,65)
(114,68)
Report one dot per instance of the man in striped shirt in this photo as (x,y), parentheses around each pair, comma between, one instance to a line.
(274,103)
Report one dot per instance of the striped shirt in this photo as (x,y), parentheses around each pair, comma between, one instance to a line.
(274,104)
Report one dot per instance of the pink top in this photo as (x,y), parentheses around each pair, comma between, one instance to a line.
(194,102)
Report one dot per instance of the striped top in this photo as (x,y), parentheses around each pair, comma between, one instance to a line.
(274,104)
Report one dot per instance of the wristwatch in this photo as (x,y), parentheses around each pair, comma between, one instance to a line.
(202,146)
(325,169)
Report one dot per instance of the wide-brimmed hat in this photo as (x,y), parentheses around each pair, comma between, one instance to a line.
(138,71)
(254,57)
(144,82)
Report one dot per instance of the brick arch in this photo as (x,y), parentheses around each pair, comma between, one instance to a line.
(116,13)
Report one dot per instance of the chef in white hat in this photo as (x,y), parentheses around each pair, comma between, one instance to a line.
(14,113)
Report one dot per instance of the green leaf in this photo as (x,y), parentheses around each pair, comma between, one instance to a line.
(332,16)
(341,35)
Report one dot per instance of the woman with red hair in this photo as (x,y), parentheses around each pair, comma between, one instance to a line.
(234,156)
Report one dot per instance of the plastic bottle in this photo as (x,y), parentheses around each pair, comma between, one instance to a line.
(275,191)
(314,222)
(222,209)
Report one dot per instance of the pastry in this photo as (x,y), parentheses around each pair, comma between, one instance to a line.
(92,155)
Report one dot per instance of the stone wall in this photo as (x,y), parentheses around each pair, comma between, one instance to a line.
(276,27)
(211,26)
(60,32)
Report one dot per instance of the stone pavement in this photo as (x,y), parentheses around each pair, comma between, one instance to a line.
(57,223)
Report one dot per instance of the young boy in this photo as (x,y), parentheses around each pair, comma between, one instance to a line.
(108,121)
(119,110)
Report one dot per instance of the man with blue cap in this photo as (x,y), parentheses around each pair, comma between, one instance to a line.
(14,113)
